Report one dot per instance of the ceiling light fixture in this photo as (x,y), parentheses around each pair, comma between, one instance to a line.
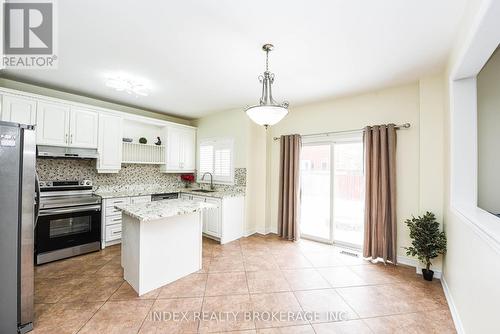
(121,84)
(268,111)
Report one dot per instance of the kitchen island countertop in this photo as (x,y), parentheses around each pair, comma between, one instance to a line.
(163,209)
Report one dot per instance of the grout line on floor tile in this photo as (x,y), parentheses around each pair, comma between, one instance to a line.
(203,300)
(251,301)
(147,314)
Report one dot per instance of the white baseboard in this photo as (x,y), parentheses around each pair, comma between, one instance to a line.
(272,230)
(261,231)
(415,263)
(453,309)
(265,231)
(249,232)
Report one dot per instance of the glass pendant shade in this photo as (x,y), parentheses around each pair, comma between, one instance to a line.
(266,115)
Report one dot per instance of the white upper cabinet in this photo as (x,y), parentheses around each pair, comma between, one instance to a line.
(53,124)
(180,149)
(71,124)
(110,144)
(66,125)
(83,128)
(18,109)
(188,149)
(173,148)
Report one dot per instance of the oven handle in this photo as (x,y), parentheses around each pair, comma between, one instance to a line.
(51,212)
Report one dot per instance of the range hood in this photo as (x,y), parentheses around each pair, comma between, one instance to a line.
(66,152)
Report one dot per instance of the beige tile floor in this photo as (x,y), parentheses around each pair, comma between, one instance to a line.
(87,294)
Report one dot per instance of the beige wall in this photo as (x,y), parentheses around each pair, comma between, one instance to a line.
(227,124)
(87,100)
(431,137)
(256,179)
(488,117)
(250,153)
(419,163)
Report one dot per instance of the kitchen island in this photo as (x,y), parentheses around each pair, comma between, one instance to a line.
(161,241)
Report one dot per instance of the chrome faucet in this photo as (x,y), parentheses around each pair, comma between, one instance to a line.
(211,180)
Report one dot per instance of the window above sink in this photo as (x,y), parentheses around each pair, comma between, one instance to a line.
(216,156)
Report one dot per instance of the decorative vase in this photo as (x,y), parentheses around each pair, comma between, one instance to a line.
(143,140)
(428,274)
(158,142)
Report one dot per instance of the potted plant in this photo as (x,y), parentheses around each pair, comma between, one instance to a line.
(427,241)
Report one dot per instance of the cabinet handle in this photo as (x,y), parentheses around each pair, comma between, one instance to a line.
(71,139)
(116,232)
(66,138)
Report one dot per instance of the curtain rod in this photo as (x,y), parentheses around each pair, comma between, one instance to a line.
(401,126)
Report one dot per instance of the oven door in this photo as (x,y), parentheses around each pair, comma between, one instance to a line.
(67,227)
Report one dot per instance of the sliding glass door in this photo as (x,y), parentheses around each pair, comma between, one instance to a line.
(348,194)
(315,178)
(332,191)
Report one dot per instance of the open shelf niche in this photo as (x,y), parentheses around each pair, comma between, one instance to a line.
(136,153)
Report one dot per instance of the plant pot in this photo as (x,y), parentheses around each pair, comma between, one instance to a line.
(428,274)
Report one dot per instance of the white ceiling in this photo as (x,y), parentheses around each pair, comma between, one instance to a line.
(203,56)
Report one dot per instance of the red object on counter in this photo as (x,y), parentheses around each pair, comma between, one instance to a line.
(187,177)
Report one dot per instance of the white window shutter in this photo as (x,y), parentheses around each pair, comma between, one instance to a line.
(206,158)
(216,157)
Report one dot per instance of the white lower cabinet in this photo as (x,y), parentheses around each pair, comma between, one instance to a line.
(111,218)
(225,223)
(212,219)
(114,232)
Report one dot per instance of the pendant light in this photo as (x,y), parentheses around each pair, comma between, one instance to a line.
(268,111)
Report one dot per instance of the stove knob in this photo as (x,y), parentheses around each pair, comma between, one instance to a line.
(42,184)
(86,182)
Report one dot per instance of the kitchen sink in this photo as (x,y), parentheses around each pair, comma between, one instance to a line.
(203,190)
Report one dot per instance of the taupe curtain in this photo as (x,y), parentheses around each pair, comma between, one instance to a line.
(380,192)
(289,187)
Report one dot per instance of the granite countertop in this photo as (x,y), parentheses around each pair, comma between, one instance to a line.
(129,192)
(218,193)
(163,209)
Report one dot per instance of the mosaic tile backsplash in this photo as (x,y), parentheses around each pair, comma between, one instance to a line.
(130,174)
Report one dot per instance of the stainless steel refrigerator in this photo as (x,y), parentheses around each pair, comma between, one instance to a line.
(17,222)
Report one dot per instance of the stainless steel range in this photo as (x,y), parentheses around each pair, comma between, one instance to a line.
(69,220)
